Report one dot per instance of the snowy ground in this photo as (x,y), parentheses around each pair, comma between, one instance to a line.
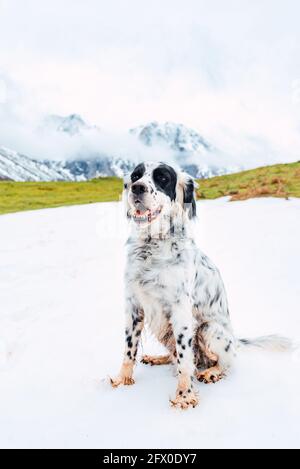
(61,333)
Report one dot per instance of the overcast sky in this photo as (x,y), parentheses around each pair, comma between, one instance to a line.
(230,69)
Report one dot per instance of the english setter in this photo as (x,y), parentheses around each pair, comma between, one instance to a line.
(173,287)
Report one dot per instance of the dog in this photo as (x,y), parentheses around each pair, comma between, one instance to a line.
(174,288)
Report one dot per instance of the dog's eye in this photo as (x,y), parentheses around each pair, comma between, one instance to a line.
(163,179)
(135,178)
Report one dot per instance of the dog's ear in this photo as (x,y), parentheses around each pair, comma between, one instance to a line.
(190,198)
(126,182)
(126,186)
(186,194)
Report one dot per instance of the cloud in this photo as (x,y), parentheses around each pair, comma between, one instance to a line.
(230,70)
(27,131)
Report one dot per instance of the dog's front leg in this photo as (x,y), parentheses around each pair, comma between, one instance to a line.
(134,327)
(183,328)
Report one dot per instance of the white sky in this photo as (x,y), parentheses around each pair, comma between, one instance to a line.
(230,69)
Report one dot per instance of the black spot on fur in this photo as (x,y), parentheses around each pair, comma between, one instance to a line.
(180,337)
(204,327)
(245,341)
(168,315)
(138,173)
(216,298)
(165,179)
(228,347)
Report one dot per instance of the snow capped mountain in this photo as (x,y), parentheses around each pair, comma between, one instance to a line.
(190,150)
(177,137)
(17,167)
(83,170)
(72,125)
(181,144)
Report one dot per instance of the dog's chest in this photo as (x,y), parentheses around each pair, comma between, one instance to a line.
(155,274)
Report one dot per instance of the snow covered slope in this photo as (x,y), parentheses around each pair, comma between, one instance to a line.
(61,333)
(19,167)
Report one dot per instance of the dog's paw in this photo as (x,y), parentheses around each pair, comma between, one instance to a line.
(185,400)
(122,381)
(211,376)
(156,361)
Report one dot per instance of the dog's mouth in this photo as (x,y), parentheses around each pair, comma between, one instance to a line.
(146,216)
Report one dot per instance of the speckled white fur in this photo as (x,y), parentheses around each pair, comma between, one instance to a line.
(175,289)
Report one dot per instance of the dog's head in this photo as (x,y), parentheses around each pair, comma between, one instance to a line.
(153,190)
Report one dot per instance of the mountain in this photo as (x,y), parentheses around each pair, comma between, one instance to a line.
(17,167)
(189,149)
(177,137)
(178,143)
(98,166)
(72,125)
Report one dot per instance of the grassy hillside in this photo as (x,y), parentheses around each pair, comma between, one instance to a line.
(21,196)
(271,181)
(276,181)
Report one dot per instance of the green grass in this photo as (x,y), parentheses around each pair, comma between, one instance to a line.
(272,181)
(21,196)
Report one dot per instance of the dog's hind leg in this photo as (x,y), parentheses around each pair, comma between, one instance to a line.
(156,361)
(220,348)
(166,337)
(211,375)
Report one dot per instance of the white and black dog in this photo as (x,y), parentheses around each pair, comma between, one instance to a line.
(173,287)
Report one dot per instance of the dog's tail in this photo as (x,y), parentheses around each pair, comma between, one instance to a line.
(273,343)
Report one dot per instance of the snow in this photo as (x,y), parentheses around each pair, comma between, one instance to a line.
(61,333)
(20,168)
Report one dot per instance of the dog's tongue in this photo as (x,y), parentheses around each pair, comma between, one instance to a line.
(140,213)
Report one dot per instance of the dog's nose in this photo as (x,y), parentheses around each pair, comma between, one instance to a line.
(139,189)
